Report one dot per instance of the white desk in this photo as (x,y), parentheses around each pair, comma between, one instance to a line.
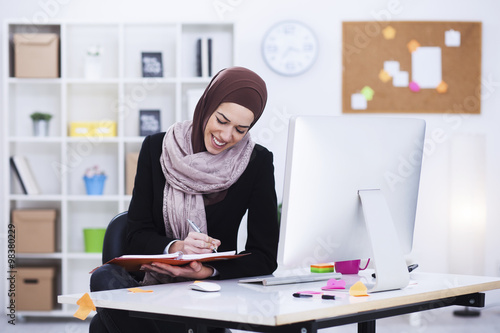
(274,309)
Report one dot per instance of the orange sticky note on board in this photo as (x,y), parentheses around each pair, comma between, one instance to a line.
(358,289)
(139,290)
(442,87)
(86,305)
(413,45)
(384,76)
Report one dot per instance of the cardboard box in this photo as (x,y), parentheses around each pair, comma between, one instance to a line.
(93,128)
(35,288)
(36,55)
(130,171)
(35,230)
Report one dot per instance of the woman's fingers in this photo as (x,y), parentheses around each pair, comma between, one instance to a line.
(194,270)
(201,243)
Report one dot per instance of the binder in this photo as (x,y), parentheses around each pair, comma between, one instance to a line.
(204,57)
(23,172)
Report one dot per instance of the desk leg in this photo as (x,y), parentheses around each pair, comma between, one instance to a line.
(366,327)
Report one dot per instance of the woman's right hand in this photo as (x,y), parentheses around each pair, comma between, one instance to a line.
(196,243)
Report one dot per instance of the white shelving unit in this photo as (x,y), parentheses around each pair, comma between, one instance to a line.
(59,161)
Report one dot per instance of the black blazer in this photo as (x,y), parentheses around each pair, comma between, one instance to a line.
(254,191)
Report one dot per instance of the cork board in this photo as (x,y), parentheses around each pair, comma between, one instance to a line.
(411,67)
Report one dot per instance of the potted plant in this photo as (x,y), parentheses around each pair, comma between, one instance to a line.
(94,180)
(41,123)
(93,62)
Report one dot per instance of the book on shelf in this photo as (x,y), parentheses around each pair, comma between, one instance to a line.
(22,169)
(204,57)
(134,262)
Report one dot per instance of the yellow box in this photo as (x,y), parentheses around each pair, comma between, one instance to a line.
(81,128)
(104,128)
(35,288)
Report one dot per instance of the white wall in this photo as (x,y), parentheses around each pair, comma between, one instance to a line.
(319,90)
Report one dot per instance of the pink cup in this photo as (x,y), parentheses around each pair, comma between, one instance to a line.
(350,266)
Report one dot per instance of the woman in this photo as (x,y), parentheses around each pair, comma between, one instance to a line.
(207,170)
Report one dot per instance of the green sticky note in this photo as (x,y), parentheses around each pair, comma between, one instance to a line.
(321,268)
(368,93)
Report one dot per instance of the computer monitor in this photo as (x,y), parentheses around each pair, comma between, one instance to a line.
(350,192)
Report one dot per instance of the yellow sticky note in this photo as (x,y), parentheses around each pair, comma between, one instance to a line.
(384,76)
(358,289)
(442,87)
(389,32)
(413,45)
(86,305)
(139,290)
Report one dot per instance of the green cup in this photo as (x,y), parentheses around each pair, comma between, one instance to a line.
(94,238)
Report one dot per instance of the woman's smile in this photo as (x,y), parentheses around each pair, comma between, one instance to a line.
(217,142)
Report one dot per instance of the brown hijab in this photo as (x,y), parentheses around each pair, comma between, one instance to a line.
(235,84)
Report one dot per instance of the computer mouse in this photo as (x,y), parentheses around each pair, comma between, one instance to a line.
(204,286)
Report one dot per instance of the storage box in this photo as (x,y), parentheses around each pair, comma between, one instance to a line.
(36,55)
(35,230)
(104,128)
(130,171)
(81,128)
(35,288)
(93,128)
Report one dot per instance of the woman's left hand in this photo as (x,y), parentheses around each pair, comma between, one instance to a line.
(194,270)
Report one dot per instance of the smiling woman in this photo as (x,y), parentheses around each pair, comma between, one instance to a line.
(209,171)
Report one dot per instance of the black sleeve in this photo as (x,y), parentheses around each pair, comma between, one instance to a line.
(263,228)
(145,230)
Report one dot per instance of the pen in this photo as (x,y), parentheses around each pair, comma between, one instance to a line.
(304,295)
(195,227)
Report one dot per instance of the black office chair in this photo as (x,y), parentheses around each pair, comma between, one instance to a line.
(114,238)
(114,246)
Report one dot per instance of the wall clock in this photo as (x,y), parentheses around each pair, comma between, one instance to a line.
(290,48)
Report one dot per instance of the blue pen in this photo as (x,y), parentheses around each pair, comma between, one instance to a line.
(195,227)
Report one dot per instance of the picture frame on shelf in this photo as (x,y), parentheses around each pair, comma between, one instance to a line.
(152,64)
(149,122)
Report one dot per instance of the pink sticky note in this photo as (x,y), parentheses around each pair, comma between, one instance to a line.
(414,86)
(334,284)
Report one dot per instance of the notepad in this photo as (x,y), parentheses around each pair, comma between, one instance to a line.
(134,262)
(302,278)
